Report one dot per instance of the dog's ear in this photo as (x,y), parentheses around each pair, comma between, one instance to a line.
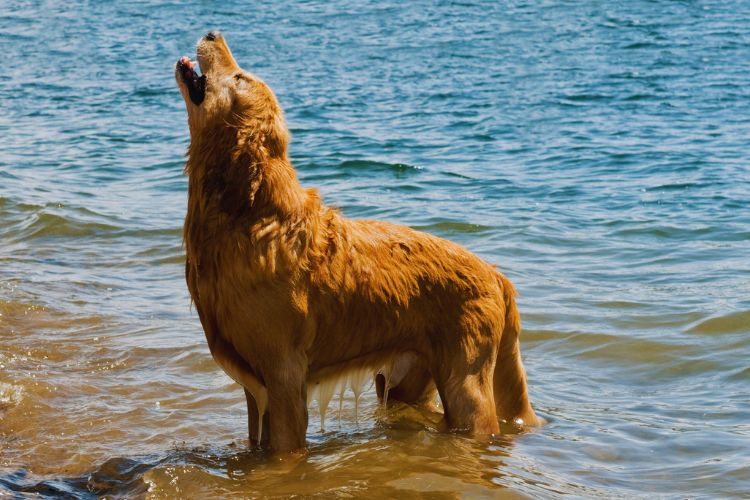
(259,141)
(251,168)
(248,159)
(244,176)
(254,179)
(265,138)
(275,136)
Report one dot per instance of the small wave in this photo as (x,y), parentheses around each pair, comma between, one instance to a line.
(667,232)
(729,323)
(638,97)
(378,166)
(741,374)
(28,221)
(619,304)
(152,91)
(443,96)
(47,224)
(18,483)
(10,308)
(626,351)
(119,475)
(584,98)
(640,45)
(677,186)
(7,175)
(461,175)
(116,476)
(453,227)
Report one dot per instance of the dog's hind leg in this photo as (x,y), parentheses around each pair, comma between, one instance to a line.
(463,365)
(467,398)
(410,382)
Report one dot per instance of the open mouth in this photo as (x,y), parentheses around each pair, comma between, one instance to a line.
(195,84)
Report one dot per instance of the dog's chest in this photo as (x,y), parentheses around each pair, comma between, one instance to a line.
(247,293)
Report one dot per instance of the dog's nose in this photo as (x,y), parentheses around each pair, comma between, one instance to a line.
(212,35)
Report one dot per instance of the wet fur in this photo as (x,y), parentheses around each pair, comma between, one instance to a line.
(295,298)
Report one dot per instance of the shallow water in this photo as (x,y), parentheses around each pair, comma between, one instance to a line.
(597,152)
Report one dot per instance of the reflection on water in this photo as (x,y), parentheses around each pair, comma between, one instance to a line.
(597,152)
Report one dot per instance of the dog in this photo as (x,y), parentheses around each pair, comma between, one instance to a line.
(294,297)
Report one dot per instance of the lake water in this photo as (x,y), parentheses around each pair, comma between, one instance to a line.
(596,151)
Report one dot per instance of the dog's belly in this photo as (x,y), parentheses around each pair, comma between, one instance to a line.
(366,330)
(357,375)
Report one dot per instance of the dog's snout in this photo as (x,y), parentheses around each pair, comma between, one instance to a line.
(212,35)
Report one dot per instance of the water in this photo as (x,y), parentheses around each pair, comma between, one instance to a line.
(596,151)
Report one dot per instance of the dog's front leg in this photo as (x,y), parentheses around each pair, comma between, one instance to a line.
(287,402)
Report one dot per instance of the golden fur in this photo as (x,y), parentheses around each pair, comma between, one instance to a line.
(293,296)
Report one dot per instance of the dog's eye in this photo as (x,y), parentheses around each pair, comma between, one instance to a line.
(239,76)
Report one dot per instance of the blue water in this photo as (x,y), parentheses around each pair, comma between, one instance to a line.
(596,151)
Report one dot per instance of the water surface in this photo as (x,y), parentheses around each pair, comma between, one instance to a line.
(596,151)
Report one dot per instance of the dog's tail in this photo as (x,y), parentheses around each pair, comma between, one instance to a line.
(512,316)
(510,389)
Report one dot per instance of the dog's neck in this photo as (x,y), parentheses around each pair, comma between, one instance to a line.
(235,181)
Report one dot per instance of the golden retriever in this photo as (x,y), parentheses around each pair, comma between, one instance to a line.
(293,296)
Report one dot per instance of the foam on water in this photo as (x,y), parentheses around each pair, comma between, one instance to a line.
(9,394)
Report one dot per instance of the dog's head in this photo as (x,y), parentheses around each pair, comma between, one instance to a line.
(227,99)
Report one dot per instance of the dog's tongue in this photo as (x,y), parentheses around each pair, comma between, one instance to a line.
(185,61)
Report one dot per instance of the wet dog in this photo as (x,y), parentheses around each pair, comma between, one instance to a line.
(294,297)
